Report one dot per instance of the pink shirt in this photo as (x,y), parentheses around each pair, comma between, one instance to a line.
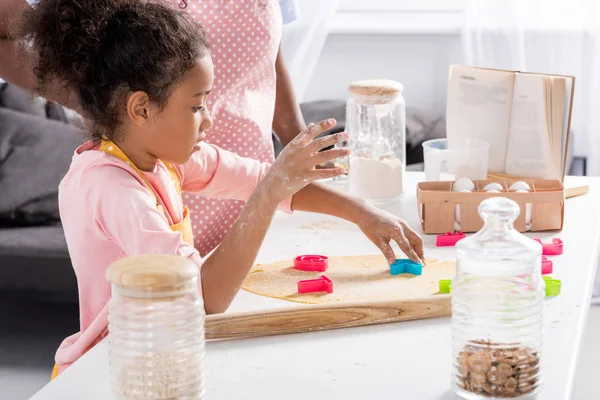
(107,214)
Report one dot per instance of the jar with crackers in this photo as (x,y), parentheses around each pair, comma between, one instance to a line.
(497,305)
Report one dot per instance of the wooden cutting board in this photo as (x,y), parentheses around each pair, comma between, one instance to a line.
(324,317)
(364,294)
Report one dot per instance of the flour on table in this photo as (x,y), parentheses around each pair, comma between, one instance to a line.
(328,225)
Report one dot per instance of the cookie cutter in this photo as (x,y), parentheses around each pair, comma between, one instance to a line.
(553,286)
(406,266)
(321,284)
(449,239)
(445,286)
(546,266)
(551,249)
(311,263)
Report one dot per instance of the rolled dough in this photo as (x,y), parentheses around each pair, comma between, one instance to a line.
(355,279)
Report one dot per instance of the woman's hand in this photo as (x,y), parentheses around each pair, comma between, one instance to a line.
(382,227)
(297,164)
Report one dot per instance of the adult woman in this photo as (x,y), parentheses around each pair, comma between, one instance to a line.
(251,97)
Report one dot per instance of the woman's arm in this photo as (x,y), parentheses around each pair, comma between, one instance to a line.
(9,9)
(16,64)
(288,120)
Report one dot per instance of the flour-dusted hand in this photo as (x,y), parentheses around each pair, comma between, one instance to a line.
(297,164)
(382,227)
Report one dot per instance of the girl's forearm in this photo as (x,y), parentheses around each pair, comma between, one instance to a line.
(225,270)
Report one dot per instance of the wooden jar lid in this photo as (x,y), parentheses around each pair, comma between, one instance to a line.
(152,272)
(376,87)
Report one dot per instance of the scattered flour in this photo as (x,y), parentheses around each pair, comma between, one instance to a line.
(327,225)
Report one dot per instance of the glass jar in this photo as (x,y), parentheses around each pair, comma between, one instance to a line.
(156,328)
(375,122)
(497,303)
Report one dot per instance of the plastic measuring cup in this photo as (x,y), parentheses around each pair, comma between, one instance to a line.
(436,156)
(451,159)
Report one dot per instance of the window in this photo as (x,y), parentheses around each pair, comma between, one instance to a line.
(401,5)
(397,16)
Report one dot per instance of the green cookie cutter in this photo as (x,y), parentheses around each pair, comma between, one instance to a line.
(445,286)
(553,286)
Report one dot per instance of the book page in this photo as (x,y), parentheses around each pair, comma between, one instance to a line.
(557,118)
(479,106)
(529,153)
(569,87)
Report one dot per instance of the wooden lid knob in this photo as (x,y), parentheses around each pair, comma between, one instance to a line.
(376,87)
(152,272)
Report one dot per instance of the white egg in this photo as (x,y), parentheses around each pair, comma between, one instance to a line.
(520,185)
(492,191)
(528,208)
(457,207)
(463,184)
(493,186)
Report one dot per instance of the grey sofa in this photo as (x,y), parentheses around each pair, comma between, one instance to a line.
(36,145)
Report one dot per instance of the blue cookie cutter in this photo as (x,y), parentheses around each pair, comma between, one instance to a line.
(406,266)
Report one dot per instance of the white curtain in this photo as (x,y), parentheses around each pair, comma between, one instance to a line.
(549,36)
(303,40)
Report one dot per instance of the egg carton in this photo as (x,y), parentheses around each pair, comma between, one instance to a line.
(443,210)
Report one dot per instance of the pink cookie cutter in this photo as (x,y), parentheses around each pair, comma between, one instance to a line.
(311,263)
(321,284)
(551,249)
(546,266)
(449,239)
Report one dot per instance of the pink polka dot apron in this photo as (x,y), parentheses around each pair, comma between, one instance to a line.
(244,36)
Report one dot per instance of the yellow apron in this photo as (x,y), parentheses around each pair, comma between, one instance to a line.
(184,227)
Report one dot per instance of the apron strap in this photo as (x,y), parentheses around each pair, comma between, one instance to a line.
(109,147)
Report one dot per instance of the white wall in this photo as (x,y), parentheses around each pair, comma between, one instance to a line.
(413,42)
(418,60)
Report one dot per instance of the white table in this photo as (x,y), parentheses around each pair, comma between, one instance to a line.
(408,360)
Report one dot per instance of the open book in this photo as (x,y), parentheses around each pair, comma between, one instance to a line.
(525,118)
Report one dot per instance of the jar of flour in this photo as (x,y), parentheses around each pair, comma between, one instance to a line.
(375,122)
(155,329)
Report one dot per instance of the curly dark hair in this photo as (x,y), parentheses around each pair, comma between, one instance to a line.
(104,49)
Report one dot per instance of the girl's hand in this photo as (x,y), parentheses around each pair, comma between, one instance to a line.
(382,227)
(297,164)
